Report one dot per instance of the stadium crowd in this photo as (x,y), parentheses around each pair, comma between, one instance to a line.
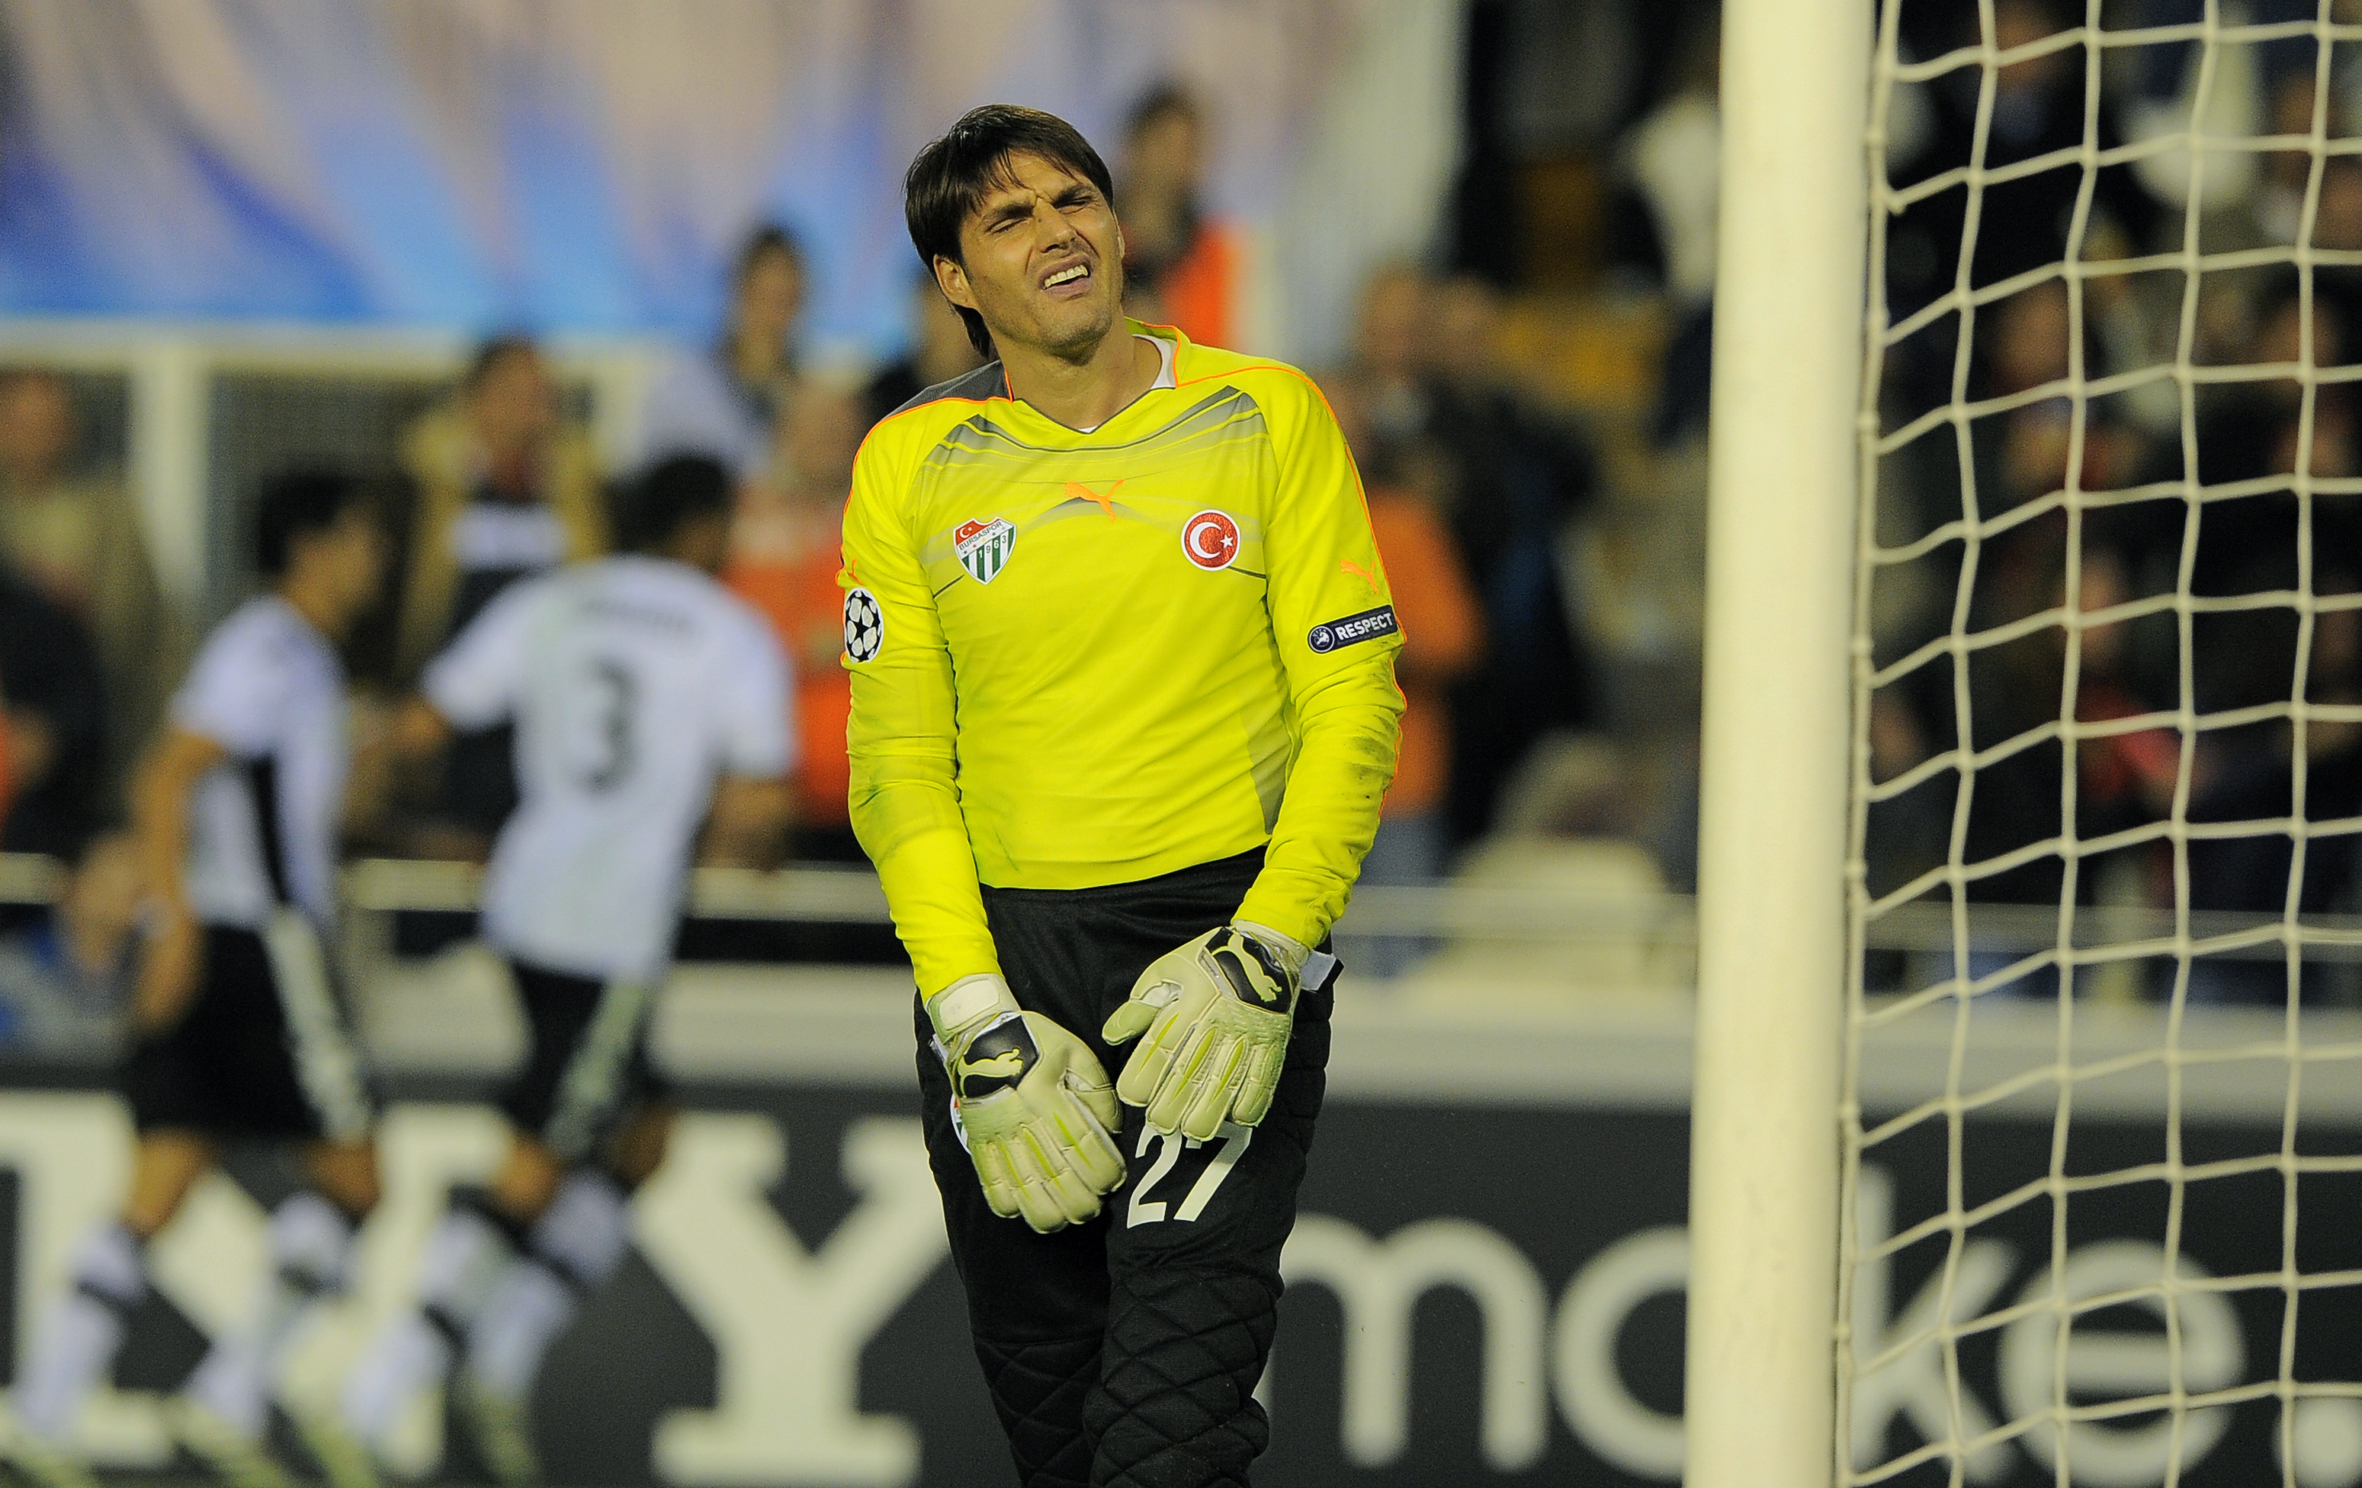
(1472,482)
(1544,538)
(2215,461)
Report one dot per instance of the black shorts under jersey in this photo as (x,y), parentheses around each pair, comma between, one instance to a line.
(263,1050)
(588,1066)
(1126,1351)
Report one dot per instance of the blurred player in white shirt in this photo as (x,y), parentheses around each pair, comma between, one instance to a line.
(643,693)
(236,1031)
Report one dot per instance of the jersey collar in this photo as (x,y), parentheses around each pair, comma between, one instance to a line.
(1165,339)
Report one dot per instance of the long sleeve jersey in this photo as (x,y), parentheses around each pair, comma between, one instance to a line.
(1092,658)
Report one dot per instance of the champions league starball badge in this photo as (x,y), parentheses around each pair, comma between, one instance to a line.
(865,625)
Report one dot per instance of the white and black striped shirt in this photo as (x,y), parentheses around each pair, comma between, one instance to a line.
(268,688)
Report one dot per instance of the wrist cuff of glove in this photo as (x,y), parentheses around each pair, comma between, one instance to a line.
(1314,969)
(1291,951)
(969,1003)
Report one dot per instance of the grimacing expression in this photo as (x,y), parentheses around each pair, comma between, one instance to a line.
(1042,260)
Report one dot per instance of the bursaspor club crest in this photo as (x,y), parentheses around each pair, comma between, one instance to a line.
(984,547)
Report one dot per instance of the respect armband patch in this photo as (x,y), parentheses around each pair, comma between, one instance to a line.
(1352,630)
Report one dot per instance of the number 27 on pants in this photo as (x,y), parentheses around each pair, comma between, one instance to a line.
(1208,1162)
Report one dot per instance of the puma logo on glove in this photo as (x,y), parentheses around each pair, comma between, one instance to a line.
(1216,1014)
(981,1073)
(1034,1101)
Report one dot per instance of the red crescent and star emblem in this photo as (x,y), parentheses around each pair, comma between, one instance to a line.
(1210,540)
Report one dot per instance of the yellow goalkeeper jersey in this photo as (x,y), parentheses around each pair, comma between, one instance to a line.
(1091,658)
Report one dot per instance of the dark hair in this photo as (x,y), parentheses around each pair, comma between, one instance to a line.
(1166,98)
(672,494)
(492,352)
(949,178)
(297,505)
(760,244)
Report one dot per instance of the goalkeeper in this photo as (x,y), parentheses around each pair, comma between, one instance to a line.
(1123,710)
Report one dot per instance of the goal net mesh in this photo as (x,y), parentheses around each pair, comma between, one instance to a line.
(2103,1101)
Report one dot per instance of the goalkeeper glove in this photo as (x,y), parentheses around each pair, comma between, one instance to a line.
(1217,1014)
(1034,1102)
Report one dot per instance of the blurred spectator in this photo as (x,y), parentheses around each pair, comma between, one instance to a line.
(53,708)
(2024,452)
(2259,787)
(1390,354)
(1180,266)
(2246,543)
(939,351)
(78,540)
(1426,377)
(2014,690)
(505,488)
(2337,225)
(1518,478)
(1907,833)
(724,402)
(2168,71)
(1443,637)
(2123,779)
(784,558)
(1673,159)
(2277,203)
(2037,107)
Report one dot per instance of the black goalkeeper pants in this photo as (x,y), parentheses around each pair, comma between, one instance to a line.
(1126,1351)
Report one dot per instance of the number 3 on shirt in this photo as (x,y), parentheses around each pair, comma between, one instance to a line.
(620,699)
(1231,1141)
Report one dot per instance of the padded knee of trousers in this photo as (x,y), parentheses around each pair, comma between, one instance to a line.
(1176,1407)
(1038,1388)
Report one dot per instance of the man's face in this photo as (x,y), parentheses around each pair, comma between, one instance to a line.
(1168,152)
(769,298)
(1042,261)
(1392,334)
(349,559)
(1467,321)
(516,403)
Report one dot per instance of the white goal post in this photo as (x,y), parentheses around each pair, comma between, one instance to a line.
(2027,1120)
(1772,832)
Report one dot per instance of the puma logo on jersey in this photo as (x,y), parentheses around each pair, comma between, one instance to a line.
(1077,491)
(1349,567)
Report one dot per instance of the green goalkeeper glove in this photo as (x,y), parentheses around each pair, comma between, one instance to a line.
(1034,1102)
(1217,1014)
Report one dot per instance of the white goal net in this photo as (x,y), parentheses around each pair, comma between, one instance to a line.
(2102,1216)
